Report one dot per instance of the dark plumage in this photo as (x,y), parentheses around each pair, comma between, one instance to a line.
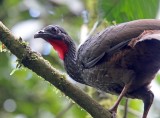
(118,60)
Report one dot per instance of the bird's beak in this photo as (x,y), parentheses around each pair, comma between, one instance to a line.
(39,34)
(46,35)
(43,34)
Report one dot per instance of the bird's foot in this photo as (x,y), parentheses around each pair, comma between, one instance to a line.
(113,112)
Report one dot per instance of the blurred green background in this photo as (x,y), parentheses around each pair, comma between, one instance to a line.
(23,94)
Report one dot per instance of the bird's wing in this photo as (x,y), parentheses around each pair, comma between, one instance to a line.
(109,52)
(112,39)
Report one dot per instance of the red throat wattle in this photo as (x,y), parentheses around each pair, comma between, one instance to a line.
(60,47)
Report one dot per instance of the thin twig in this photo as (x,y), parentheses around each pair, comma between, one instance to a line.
(132,111)
(126,108)
(62,112)
(96,24)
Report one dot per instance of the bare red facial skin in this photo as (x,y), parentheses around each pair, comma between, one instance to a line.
(60,47)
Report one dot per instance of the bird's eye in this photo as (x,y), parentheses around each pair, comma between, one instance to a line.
(54,29)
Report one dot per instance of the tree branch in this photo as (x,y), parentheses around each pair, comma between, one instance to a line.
(41,67)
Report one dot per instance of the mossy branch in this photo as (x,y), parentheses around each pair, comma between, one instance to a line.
(43,68)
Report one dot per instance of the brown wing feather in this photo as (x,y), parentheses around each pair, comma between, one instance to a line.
(112,36)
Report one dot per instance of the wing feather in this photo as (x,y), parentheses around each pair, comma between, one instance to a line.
(112,39)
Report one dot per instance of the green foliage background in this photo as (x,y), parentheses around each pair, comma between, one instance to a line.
(29,96)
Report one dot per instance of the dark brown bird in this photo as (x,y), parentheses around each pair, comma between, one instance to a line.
(118,60)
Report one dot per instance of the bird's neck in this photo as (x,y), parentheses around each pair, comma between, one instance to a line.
(70,63)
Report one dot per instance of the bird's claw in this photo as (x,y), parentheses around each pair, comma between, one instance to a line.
(113,114)
(113,111)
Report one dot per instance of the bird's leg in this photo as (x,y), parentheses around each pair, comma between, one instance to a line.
(148,100)
(147,96)
(115,106)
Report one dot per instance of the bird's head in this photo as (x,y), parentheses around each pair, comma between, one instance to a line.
(57,37)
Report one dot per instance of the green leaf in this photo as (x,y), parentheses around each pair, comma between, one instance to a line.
(158,78)
(126,10)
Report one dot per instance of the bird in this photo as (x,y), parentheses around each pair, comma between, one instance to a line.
(122,59)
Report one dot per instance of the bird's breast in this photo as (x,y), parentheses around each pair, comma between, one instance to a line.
(106,77)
